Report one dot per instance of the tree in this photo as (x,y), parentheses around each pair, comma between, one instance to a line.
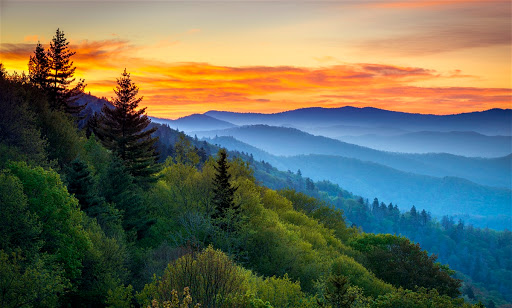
(397,261)
(61,71)
(62,235)
(39,68)
(118,188)
(123,130)
(337,292)
(213,278)
(81,184)
(223,190)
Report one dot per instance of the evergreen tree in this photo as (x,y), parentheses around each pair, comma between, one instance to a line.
(81,184)
(3,73)
(39,68)
(375,206)
(223,190)
(336,292)
(123,130)
(414,212)
(118,188)
(61,71)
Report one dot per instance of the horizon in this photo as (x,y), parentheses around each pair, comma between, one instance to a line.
(319,107)
(425,57)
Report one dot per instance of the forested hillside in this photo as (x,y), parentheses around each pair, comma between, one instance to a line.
(483,206)
(477,254)
(92,217)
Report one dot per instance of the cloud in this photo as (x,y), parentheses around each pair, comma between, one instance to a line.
(178,89)
(16,51)
(431,27)
(442,39)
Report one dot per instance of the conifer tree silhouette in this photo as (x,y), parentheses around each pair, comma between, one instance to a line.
(60,77)
(123,130)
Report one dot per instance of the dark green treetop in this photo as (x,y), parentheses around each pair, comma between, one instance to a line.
(223,190)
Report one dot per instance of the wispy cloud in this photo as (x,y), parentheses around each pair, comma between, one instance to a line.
(442,26)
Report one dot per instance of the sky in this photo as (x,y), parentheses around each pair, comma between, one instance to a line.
(420,56)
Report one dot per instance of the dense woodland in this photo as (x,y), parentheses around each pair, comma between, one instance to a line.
(106,215)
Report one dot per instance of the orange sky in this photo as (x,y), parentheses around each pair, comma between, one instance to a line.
(421,56)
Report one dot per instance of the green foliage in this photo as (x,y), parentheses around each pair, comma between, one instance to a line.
(120,297)
(20,228)
(423,298)
(62,233)
(184,152)
(279,292)
(81,185)
(358,275)
(214,280)
(337,292)
(64,140)
(403,264)
(29,283)
(175,301)
(20,136)
(118,188)
(104,268)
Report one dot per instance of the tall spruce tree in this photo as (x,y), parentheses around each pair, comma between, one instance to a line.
(123,130)
(223,190)
(39,68)
(61,71)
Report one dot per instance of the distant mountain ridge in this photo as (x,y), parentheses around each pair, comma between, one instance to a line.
(291,142)
(471,144)
(489,122)
(194,122)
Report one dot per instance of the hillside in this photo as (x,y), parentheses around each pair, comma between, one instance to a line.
(439,195)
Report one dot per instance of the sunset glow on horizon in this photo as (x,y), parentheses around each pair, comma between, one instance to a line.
(420,56)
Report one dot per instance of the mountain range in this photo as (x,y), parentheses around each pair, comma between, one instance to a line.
(489,122)
(282,141)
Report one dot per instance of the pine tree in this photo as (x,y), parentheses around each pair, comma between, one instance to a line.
(81,184)
(61,71)
(39,68)
(223,190)
(123,130)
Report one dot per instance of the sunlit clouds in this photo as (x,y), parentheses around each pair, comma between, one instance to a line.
(420,56)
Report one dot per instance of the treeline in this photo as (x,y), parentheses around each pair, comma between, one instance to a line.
(481,256)
(90,218)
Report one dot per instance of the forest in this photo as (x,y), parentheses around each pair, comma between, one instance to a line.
(97,211)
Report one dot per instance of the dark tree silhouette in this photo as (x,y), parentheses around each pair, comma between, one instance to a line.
(61,71)
(39,68)
(223,190)
(123,130)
